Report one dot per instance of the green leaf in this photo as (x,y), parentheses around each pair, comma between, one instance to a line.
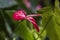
(9,18)
(2,35)
(51,22)
(1,23)
(7,3)
(43,10)
(53,28)
(6,22)
(7,28)
(47,2)
(57,8)
(23,31)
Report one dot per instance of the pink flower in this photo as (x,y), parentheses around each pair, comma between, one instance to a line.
(27,3)
(21,15)
(38,7)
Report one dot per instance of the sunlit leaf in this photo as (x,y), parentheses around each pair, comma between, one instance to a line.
(23,31)
(51,22)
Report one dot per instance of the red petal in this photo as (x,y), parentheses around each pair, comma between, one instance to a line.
(19,15)
(16,17)
(32,20)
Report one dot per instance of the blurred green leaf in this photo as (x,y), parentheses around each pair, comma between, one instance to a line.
(23,31)
(7,30)
(7,3)
(9,17)
(51,22)
(1,22)
(2,35)
(42,10)
(47,2)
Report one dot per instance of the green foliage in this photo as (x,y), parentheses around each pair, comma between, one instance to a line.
(23,31)
(2,35)
(51,21)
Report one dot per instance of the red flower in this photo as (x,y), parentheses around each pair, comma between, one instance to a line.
(21,15)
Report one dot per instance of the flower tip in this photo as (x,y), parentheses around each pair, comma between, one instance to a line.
(38,30)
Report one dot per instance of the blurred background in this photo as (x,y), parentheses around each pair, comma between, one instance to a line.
(24,30)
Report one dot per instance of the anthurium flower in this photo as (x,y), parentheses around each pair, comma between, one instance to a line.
(21,15)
